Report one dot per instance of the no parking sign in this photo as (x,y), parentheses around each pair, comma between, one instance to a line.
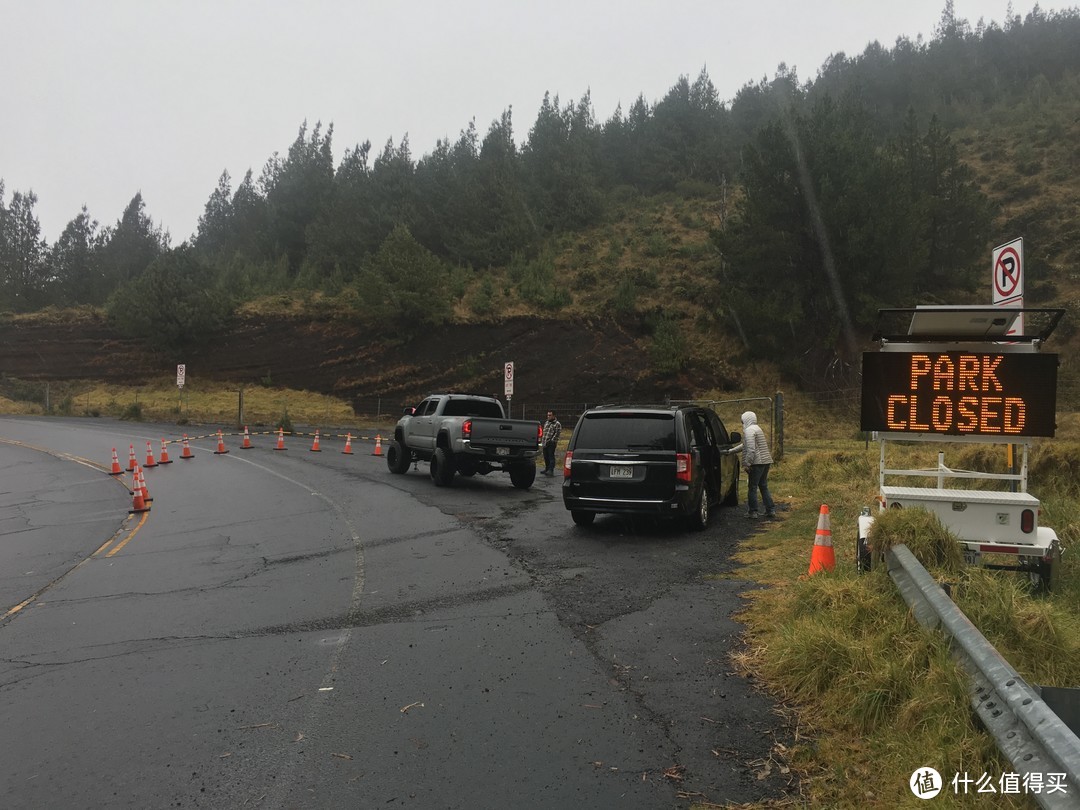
(1007,284)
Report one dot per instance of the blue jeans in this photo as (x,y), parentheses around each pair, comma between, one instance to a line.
(759,480)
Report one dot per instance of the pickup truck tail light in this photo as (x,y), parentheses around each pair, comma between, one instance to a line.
(539,434)
(466,429)
(566,463)
(684,467)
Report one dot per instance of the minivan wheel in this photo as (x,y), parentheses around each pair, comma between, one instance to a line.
(700,519)
(582,518)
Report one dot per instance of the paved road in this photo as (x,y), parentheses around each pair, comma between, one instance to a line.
(298,629)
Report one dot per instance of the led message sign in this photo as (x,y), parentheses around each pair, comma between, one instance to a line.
(980,393)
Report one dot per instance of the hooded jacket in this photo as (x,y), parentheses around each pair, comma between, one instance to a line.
(755,445)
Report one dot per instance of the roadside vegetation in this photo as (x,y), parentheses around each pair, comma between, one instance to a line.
(871,694)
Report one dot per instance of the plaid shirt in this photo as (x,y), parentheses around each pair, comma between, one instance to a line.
(552,429)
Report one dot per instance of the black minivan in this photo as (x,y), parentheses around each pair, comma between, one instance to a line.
(676,460)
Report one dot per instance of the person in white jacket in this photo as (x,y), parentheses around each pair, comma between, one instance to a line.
(756,460)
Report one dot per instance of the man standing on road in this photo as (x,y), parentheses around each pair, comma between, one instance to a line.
(552,429)
(756,461)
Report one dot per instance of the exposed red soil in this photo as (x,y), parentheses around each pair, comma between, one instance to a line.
(555,360)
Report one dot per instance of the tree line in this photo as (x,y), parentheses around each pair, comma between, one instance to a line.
(825,179)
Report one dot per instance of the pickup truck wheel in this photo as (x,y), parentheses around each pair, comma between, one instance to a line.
(582,518)
(523,475)
(397,458)
(442,468)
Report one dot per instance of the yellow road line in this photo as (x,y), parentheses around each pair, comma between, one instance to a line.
(130,537)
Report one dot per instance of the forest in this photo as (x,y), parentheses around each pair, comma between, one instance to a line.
(825,199)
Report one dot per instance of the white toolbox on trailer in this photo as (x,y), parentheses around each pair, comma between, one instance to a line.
(974,515)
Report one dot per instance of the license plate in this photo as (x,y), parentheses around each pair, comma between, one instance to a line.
(620,472)
(502,451)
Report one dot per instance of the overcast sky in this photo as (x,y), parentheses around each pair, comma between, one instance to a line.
(102,100)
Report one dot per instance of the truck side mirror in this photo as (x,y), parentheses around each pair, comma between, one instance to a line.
(735,437)
(408,411)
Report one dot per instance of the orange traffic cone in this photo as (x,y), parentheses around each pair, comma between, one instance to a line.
(141,484)
(348,444)
(315,444)
(138,502)
(280,439)
(221,448)
(247,445)
(150,461)
(116,470)
(131,457)
(164,454)
(186,452)
(823,557)
(378,445)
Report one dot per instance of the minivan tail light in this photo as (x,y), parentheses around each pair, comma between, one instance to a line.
(684,467)
(566,463)
(466,429)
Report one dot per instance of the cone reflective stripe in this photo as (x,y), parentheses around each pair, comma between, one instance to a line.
(221,448)
(116,469)
(280,439)
(131,457)
(247,445)
(378,445)
(348,444)
(150,461)
(186,452)
(823,557)
(164,453)
(315,445)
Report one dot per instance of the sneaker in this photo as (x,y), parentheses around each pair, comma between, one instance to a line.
(770,515)
(753,515)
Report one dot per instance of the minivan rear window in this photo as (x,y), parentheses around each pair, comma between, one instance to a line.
(618,431)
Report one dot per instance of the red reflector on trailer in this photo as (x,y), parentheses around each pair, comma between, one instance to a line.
(1027,521)
(999,549)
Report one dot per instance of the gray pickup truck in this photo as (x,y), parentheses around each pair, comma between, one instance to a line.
(466,434)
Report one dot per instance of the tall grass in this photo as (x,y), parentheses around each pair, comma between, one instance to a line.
(873,695)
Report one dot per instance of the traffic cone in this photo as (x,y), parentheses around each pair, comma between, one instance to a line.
(150,462)
(186,452)
(823,557)
(221,448)
(164,454)
(378,445)
(348,444)
(116,469)
(247,445)
(315,444)
(138,502)
(131,457)
(280,439)
(141,484)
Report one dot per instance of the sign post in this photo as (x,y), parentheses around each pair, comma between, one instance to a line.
(181,373)
(508,383)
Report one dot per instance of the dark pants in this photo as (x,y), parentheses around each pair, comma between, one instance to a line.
(759,480)
(549,457)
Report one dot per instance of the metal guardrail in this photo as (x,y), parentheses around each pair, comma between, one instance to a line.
(1033,738)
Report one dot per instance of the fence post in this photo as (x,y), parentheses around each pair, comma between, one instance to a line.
(778,422)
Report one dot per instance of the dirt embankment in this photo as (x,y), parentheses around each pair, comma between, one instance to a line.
(555,360)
